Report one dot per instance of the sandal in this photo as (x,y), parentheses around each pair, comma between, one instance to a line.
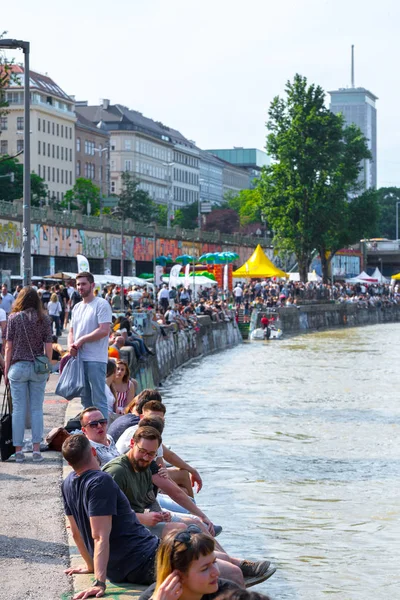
(37,457)
(19,457)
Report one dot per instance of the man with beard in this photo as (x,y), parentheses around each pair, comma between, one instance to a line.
(133,475)
(88,338)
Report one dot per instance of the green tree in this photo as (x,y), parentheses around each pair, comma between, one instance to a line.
(13,190)
(247,203)
(387,197)
(186,217)
(83,194)
(161,214)
(133,202)
(317,160)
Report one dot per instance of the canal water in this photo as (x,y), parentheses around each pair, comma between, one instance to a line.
(298,444)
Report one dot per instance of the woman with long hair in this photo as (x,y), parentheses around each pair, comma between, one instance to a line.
(54,309)
(125,387)
(28,336)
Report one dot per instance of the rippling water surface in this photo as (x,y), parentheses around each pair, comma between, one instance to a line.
(298,444)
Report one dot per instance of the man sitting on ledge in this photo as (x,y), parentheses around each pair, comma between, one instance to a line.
(107,532)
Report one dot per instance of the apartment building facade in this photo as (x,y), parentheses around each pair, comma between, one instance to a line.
(92,154)
(162,159)
(211,178)
(52,124)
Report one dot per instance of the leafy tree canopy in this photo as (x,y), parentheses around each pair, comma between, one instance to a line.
(13,190)
(247,203)
(84,196)
(186,217)
(387,197)
(317,159)
(135,203)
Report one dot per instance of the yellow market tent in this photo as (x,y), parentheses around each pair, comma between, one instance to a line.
(258,265)
(397,276)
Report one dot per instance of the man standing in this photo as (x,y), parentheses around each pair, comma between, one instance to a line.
(163,297)
(7,299)
(90,328)
(238,293)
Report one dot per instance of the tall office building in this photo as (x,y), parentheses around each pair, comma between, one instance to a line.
(357,105)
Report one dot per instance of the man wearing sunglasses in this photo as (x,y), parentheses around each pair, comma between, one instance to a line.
(94,426)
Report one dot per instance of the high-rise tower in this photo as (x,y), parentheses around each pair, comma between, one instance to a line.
(357,105)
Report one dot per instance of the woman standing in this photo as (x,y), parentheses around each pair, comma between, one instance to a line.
(54,309)
(125,387)
(28,336)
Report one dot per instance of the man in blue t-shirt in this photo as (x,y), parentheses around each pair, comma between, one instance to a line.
(106,531)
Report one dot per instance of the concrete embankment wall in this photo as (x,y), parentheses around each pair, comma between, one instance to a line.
(329,316)
(175,348)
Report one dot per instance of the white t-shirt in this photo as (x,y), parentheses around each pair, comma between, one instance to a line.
(238,292)
(124,442)
(54,308)
(86,318)
(3,317)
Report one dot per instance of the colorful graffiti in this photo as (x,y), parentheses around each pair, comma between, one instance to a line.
(50,240)
(10,236)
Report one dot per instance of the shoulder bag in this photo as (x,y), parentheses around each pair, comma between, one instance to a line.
(41,363)
(6,444)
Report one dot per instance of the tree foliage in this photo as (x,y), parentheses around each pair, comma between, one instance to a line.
(186,217)
(247,204)
(83,194)
(225,220)
(387,197)
(317,159)
(13,190)
(135,203)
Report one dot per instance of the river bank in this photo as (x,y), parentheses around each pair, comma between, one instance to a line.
(316,317)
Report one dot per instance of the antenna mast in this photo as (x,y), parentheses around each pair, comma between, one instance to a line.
(352,65)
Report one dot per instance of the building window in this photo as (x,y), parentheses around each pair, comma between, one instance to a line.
(39,171)
(58,129)
(128,144)
(58,151)
(38,147)
(20,123)
(58,176)
(54,174)
(38,124)
(44,148)
(112,165)
(48,126)
(66,153)
(62,130)
(78,168)
(70,178)
(62,152)
(4,147)
(78,144)
(4,123)
(48,173)
(44,173)
(113,187)
(70,133)
(70,154)
(52,150)
(48,149)
(20,145)
(62,175)
(52,128)
(128,165)
(58,195)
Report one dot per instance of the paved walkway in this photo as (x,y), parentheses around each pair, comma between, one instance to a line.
(35,546)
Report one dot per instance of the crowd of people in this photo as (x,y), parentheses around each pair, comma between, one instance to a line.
(129,498)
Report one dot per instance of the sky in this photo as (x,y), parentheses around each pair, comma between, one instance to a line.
(211,68)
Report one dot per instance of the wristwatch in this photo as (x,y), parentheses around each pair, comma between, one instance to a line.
(98,583)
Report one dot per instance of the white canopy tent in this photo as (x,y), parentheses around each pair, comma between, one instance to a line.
(363,277)
(378,275)
(311,276)
(199,280)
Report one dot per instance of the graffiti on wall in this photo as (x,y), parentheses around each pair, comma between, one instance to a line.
(10,236)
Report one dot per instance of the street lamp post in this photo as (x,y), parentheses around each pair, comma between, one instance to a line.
(397,220)
(26,214)
(100,151)
(170,191)
(118,212)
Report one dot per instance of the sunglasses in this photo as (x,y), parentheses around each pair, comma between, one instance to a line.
(185,536)
(94,424)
